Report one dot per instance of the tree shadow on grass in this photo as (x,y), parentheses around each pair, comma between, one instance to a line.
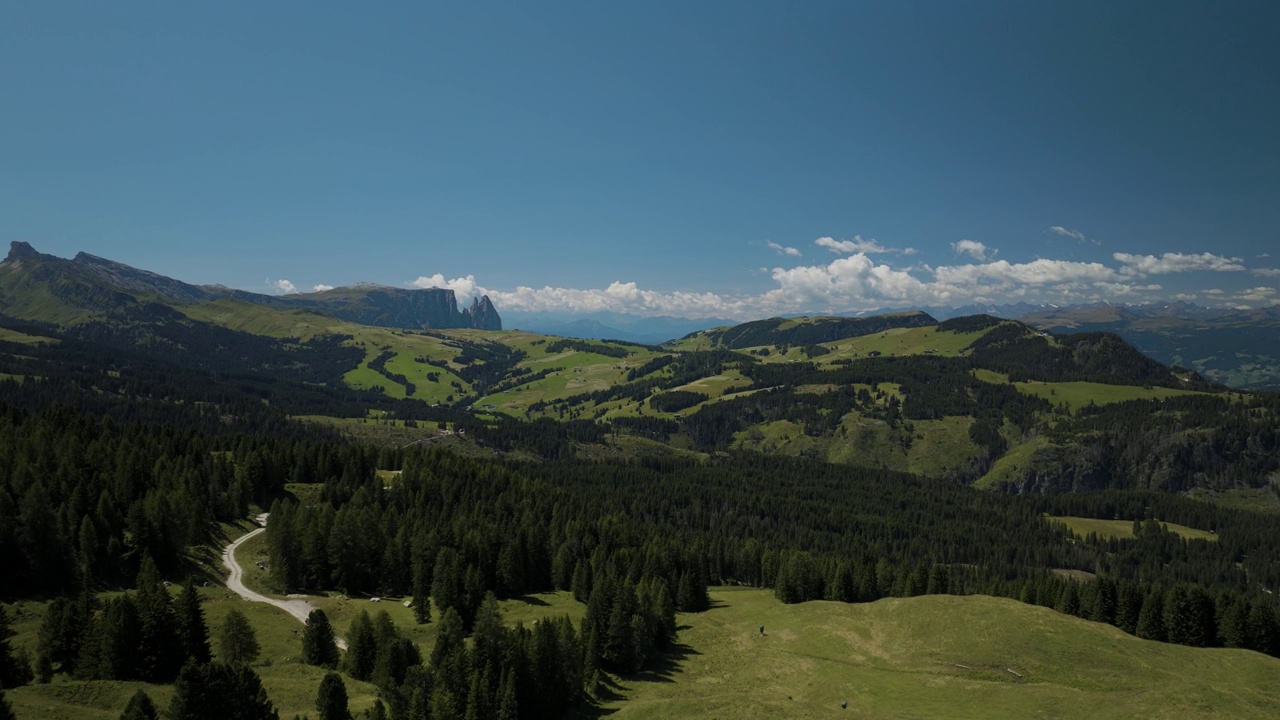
(532,600)
(666,666)
(662,668)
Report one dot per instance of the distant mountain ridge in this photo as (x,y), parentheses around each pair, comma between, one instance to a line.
(40,287)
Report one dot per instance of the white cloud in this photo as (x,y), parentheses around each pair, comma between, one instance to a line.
(321,287)
(856,245)
(1176,263)
(464,287)
(285,287)
(856,282)
(1037,273)
(1265,272)
(1258,294)
(1073,234)
(783,250)
(973,248)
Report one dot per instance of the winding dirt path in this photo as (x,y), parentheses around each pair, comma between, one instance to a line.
(235,581)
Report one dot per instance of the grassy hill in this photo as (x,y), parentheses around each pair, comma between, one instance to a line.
(931,656)
(936,656)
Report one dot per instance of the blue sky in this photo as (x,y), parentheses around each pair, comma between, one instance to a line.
(732,159)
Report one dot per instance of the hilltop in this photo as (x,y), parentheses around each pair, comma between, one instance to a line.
(982,400)
(44,288)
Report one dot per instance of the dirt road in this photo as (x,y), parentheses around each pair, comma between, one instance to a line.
(235,581)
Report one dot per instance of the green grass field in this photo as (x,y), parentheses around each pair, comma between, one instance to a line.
(1012,464)
(933,656)
(936,657)
(1263,499)
(13,336)
(1075,395)
(1124,528)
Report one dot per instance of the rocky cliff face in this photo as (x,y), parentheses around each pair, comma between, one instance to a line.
(482,315)
(431,309)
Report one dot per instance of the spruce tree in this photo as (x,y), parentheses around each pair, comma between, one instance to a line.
(507,706)
(159,657)
(422,591)
(6,710)
(217,691)
(195,633)
(1151,617)
(15,669)
(319,647)
(237,643)
(331,700)
(140,707)
(1177,618)
(1069,600)
(362,647)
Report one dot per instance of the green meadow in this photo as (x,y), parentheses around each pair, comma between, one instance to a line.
(1120,529)
(936,656)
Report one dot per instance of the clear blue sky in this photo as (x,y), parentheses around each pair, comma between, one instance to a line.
(947,151)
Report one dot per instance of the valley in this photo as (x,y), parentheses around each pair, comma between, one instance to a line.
(972,517)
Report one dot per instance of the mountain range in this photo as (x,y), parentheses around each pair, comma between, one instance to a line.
(36,286)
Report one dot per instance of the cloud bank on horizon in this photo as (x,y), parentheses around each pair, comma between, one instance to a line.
(856,282)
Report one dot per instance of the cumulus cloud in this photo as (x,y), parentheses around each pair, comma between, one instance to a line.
(972,248)
(1176,263)
(857,282)
(783,250)
(321,287)
(1266,272)
(1256,295)
(462,286)
(285,287)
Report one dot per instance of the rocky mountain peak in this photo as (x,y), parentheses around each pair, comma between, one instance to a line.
(19,250)
(483,315)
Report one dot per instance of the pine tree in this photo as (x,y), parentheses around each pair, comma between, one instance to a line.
(362,647)
(237,643)
(217,691)
(15,669)
(507,706)
(421,592)
(159,658)
(377,712)
(319,647)
(1177,617)
(6,710)
(140,707)
(1128,607)
(1069,600)
(331,700)
(111,650)
(195,633)
(1263,629)
(1151,617)
(1104,607)
(62,631)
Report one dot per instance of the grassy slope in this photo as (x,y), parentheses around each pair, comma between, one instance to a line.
(1124,528)
(1073,395)
(13,336)
(892,658)
(897,658)
(305,325)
